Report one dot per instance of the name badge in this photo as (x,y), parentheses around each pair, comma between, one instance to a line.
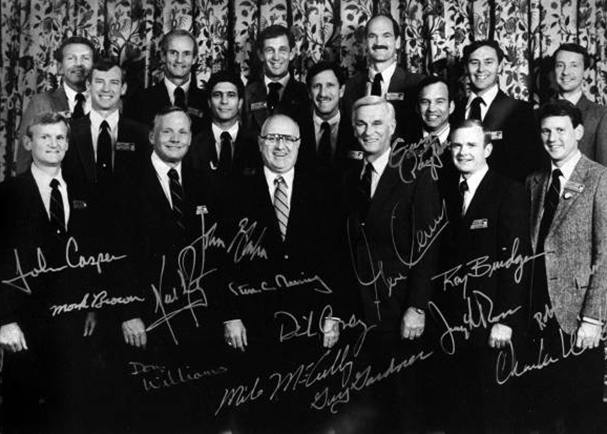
(125,146)
(574,186)
(355,155)
(201,209)
(195,112)
(496,135)
(395,96)
(259,106)
(79,204)
(66,114)
(479,224)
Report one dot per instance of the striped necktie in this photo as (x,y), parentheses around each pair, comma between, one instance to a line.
(281,206)
(176,197)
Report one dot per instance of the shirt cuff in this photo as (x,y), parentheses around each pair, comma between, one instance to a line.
(592,321)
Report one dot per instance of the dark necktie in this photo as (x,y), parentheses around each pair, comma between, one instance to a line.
(376,86)
(56,209)
(364,193)
(225,152)
(273,96)
(475,108)
(551,202)
(104,151)
(179,97)
(463,188)
(324,145)
(281,207)
(176,197)
(79,107)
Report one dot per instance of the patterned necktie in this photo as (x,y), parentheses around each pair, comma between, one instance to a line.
(475,108)
(551,202)
(281,207)
(79,107)
(364,192)
(273,96)
(376,86)
(463,188)
(176,197)
(104,151)
(179,95)
(324,145)
(225,152)
(56,209)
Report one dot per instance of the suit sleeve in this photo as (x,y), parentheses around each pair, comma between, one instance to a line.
(601,139)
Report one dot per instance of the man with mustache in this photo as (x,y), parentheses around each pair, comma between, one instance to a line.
(383,76)
(75,57)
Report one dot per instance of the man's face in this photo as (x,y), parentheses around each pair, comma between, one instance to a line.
(434,106)
(76,65)
(560,138)
(48,144)
(179,58)
(569,71)
(171,137)
(276,56)
(280,156)
(373,127)
(468,150)
(483,68)
(382,44)
(107,88)
(325,92)
(225,102)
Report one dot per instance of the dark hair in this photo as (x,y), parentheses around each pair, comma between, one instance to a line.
(104,64)
(471,48)
(430,80)
(47,118)
(394,24)
(226,76)
(167,110)
(471,123)
(74,40)
(274,31)
(325,65)
(561,107)
(574,48)
(176,33)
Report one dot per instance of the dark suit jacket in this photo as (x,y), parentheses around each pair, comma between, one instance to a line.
(294,103)
(594,141)
(495,226)
(146,103)
(519,151)
(402,89)
(51,101)
(384,247)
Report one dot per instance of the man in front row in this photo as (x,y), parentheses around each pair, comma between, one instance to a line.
(569,298)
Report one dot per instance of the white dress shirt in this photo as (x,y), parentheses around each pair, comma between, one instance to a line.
(488,98)
(473,182)
(96,121)
(386,77)
(287,176)
(162,172)
(43,181)
(71,99)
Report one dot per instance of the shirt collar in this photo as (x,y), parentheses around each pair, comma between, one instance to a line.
(488,97)
(162,168)
(332,122)
(284,80)
(287,176)
(172,86)
(97,119)
(379,165)
(442,135)
(233,130)
(43,179)
(71,93)
(386,74)
(568,168)
(475,179)
(575,98)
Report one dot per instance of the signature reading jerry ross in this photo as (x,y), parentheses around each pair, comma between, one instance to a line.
(415,157)
(246,244)
(280,282)
(73,260)
(482,266)
(479,314)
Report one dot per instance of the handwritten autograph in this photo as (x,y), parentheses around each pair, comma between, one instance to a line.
(93,301)
(425,153)
(280,282)
(156,377)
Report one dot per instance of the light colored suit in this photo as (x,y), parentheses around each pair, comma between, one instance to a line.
(576,244)
(51,101)
(594,142)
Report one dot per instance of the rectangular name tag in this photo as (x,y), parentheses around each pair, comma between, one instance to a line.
(259,106)
(355,155)
(125,146)
(195,112)
(574,186)
(201,209)
(79,204)
(496,135)
(395,96)
(479,224)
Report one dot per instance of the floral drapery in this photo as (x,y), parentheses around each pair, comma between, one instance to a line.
(434,34)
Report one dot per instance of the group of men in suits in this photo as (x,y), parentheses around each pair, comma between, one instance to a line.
(202,199)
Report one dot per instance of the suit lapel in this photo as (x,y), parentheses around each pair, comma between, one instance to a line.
(259,95)
(59,98)
(86,153)
(389,181)
(481,196)
(538,184)
(578,176)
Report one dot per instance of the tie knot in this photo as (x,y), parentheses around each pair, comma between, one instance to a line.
(274,86)
(478,100)
(105,126)
(54,183)
(225,136)
(80,97)
(378,77)
(325,126)
(463,187)
(279,181)
(556,174)
(173,175)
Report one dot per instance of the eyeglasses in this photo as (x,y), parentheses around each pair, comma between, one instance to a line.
(274,139)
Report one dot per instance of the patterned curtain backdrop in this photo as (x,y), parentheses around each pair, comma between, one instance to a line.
(434,34)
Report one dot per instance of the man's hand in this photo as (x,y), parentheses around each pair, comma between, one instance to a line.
(235,334)
(134,332)
(588,335)
(330,332)
(413,323)
(12,338)
(90,323)
(500,336)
